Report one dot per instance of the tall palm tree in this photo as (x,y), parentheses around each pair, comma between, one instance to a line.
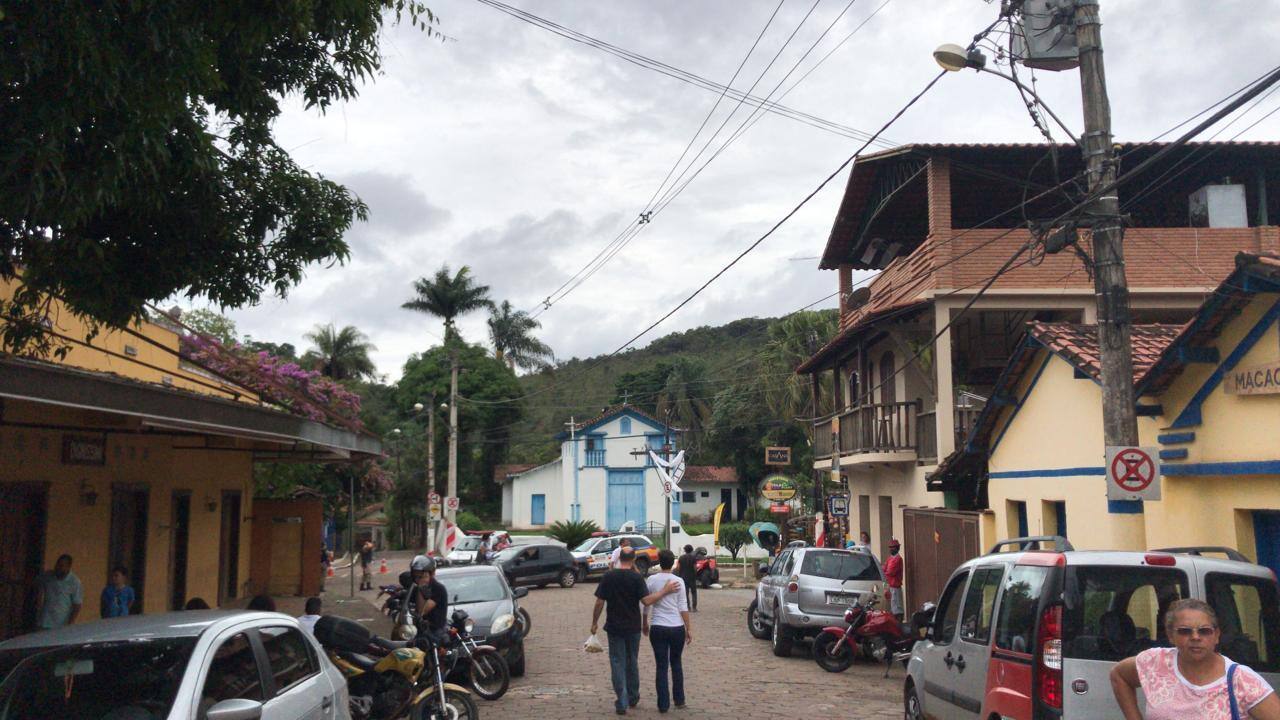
(513,342)
(340,354)
(449,295)
(792,340)
(684,395)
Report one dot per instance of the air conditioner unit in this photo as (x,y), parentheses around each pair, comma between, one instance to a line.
(1045,37)
(1218,206)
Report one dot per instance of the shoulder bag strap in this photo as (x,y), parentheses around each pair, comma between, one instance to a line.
(1231,692)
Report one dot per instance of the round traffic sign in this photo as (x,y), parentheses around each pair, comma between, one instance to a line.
(1133,469)
(433,498)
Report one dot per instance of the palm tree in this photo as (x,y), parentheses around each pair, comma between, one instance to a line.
(448,296)
(792,340)
(340,354)
(684,395)
(513,342)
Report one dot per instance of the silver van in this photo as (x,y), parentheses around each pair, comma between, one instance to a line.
(806,589)
(1033,634)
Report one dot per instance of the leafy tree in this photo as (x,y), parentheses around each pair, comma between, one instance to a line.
(340,354)
(642,388)
(213,324)
(733,537)
(511,331)
(139,155)
(284,351)
(449,295)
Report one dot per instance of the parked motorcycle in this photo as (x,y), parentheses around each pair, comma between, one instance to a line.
(381,674)
(440,700)
(486,669)
(875,634)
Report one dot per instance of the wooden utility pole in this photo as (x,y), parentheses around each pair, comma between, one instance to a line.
(452,515)
(1119,420)
(431,464)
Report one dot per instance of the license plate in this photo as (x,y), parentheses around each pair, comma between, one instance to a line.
(841,598)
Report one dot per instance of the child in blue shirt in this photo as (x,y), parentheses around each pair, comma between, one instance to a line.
(117,596)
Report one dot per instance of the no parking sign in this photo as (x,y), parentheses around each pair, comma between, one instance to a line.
(1133,473)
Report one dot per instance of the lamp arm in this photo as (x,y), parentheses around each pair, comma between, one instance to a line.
(1033,94)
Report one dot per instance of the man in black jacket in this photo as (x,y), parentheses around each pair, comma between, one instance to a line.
(688,572)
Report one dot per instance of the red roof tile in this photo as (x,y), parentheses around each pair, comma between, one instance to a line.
(1078,344)
(501,472)
(711,474)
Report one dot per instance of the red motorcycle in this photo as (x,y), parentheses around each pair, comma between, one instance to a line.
(874,633)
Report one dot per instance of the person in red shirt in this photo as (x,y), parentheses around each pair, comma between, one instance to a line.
(893,576)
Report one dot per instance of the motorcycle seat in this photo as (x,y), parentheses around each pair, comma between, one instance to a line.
(389,645)
(360,660)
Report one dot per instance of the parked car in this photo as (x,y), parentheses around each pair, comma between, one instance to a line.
(806,589)
(535,540)
(1034,633)
(483,591)
(538,565)
(464,553)
(172,665)
(593,554)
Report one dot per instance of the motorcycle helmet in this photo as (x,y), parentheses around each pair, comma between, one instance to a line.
(422,564)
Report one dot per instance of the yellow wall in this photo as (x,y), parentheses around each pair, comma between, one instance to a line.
(34,455)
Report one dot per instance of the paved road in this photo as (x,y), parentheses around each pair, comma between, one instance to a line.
(729,675)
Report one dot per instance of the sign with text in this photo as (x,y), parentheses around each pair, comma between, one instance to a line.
(777,456)
(434,511)
(1257,380)
(1133,473)
(782,509)
(84,450)
(778,488)
(839,505)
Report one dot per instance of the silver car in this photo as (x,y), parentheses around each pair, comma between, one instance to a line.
(806,589)
(201,665)
(1034,634)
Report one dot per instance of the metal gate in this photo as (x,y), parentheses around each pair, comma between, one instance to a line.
(935,543)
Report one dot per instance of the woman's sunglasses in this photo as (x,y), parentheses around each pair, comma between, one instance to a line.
(1202,631)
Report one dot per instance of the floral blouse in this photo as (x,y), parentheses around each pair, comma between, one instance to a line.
(1170,696)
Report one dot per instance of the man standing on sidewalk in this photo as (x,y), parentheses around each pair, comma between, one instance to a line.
(366,560)
(893,576)
(688,572)
(624,590)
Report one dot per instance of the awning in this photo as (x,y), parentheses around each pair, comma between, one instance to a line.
(164,408)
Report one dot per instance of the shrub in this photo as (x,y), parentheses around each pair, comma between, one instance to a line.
(572,533)
(733,537)
(469,521)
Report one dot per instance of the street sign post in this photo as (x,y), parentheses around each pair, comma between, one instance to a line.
(433,498)
(434,510)
(1133,473)
(839,505)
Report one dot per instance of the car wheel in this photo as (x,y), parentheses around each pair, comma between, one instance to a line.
(911,707)
(524,623)
(782,639)
(568,578)
(756,624)
(642,565)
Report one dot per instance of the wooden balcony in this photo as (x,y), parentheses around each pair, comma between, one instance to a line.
(891,432)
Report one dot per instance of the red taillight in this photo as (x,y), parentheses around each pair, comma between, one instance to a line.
(1166,560)
(1049,666)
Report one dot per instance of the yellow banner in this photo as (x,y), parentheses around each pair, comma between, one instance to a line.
(715,526)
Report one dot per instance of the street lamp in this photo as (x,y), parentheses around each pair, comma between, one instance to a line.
(953,58)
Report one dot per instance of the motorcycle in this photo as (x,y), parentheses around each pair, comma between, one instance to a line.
(395,597)
(381,674)
(875,634)
(486,669)
(440,700)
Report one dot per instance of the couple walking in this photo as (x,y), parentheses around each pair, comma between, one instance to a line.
(665,620)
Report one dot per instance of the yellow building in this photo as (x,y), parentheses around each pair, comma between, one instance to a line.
(1209,398)
(121,452)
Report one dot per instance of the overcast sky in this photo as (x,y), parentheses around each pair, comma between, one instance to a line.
(522,154)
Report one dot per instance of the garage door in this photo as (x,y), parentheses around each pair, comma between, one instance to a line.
(934,544)
(286,557)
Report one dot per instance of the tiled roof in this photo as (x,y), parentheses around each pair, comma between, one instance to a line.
(614,411)
(502,472)
(719,474)
(1078,344)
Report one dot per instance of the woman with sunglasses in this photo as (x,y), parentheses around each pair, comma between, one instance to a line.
(1190,679)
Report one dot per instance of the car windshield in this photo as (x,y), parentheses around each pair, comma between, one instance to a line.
(135,679)
(474,588)
(836,565)
(587,545)
(469,543)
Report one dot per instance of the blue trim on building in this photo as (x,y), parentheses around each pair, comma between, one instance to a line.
(1190,415)
(1032,386)
(1054,472)
(1176,438)
(1174,454)
(1198,355)
(1242,467)
(1124,507)
(1142,410)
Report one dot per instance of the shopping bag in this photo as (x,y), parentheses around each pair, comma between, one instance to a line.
(593,645)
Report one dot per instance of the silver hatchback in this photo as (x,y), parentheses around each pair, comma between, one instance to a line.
(806,589)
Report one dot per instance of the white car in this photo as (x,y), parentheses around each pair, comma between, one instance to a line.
(206,665)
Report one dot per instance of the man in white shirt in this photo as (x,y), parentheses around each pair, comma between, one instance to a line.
(666,622)
(312,609)
(617,552)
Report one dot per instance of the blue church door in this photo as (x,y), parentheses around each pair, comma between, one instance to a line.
(625,498)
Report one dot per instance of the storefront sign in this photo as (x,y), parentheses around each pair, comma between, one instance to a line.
(777,456)
(84,450)
(1258,380)
(778,488)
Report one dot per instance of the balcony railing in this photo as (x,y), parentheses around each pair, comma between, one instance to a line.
(884,427)
(595,458)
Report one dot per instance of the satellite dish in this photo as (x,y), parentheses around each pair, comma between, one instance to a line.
(859,297)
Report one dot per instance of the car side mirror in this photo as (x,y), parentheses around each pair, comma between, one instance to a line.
(519,592)
(922,622)
(762,569)
(235,709)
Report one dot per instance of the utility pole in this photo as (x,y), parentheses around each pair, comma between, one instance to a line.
(666,455)
(1119,420)
(453,434)
(351,537)
(575,513)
